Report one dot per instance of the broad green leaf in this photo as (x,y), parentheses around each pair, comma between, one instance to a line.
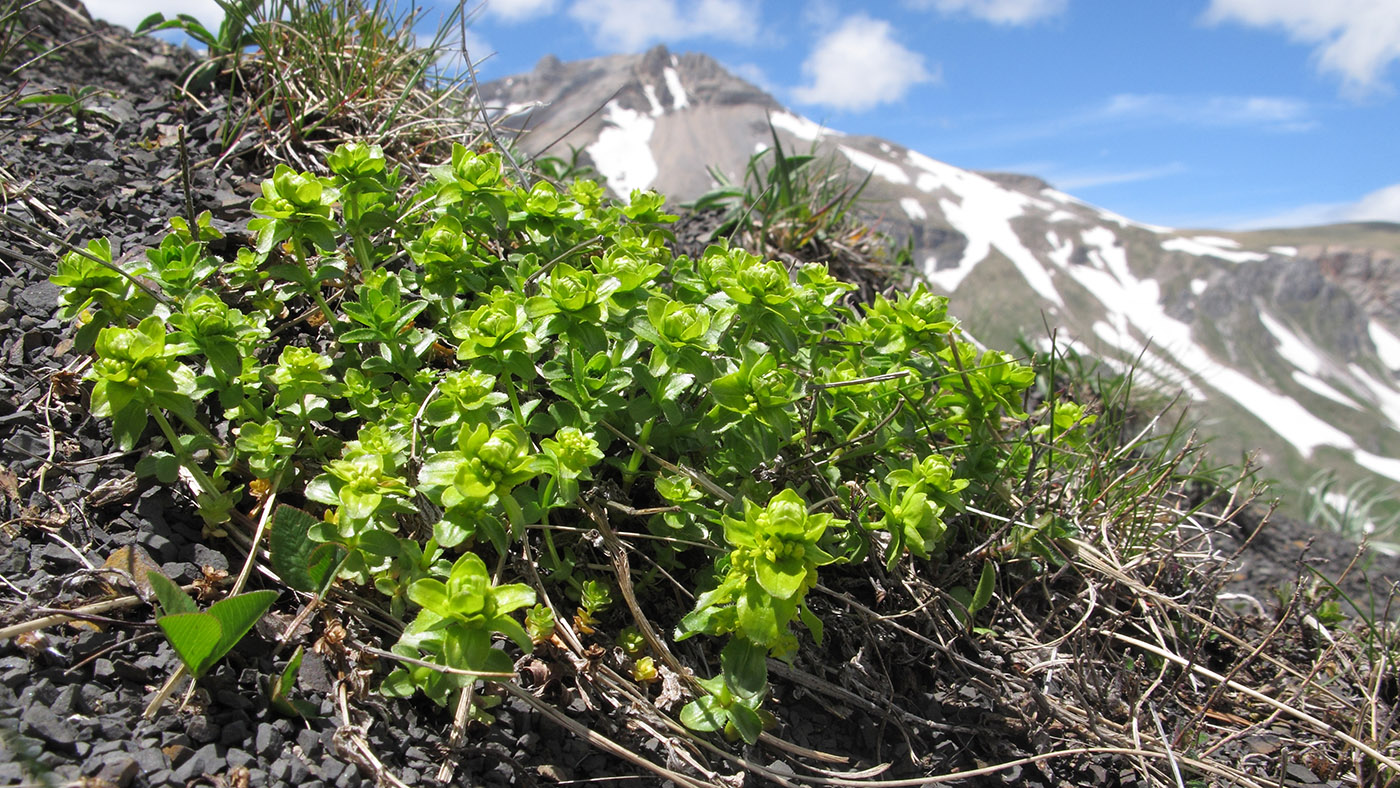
(704,714)
(986,584)
(746,722)
(379,542)
(237,614)
(195,638)
(173,599)
(783,578)
(430,594)
(291,546)
(744,665)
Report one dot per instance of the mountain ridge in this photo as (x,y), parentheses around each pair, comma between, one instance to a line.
(1286,341)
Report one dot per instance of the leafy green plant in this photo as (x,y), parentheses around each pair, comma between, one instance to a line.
(495,362)
(76,101)
(455,624)
(201,639)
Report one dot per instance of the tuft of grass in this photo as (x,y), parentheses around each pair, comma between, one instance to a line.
(311,74)
(1359,512)
(803,206)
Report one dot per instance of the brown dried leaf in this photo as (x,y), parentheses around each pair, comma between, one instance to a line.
(134,561)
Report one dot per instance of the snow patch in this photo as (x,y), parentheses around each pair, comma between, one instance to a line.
(982,213)
(1198,286)
(1292,347)
(1215,240)
(800,127)
(1382,396)
(1385,466)
(1059,252)
(622,152)
(1319,387)
(1286,251)
(679,99)
(1387,345)
(913,209)
(656,109)
(1061,215)
(1202,247)
(1132,309)
(878,167)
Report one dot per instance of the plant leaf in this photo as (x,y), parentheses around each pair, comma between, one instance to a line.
(291,547)
(704,714)
(986,584)
(744,665)
(172,598)
(236,615)
(195,637)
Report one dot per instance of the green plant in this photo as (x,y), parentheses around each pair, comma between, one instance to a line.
(786,201)
(76,101)
(455,624)
(312,69)
(495,363)
(201,639)
(1361,511)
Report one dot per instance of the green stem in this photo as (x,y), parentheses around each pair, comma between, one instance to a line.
(202,479)
(315,287)
(634,463)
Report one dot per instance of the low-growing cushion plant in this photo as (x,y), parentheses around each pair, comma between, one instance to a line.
(490,369)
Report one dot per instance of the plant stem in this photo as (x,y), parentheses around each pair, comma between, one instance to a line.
(187,462)
(315,287)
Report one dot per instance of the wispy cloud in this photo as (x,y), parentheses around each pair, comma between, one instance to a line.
(1001,12)
(628,26)
(859,66)
(1088,179)
(1381,205)
(1355,39)
(1275,113)
(515,11)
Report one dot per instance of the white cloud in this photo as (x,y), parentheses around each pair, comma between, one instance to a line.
(1273,112)
(1355,39)
(1073,181)
(858,66)
(1381,205)
(129,14)
(1001,12)
(629,25)
(513,11)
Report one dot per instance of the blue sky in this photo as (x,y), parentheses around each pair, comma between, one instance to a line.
(1186,113)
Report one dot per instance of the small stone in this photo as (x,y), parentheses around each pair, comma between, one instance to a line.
(202,731)
(119,772)
(151,760)
(236,757)
(234,733)
(309,741)
(40,720)
(266,740)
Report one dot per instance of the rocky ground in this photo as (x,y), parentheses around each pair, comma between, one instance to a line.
(76,519)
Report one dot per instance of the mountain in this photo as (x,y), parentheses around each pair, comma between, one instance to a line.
(1285,342)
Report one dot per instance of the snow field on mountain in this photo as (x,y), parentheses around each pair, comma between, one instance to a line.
(1387,345)
(1208,246)
(983,214)
(622,153)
